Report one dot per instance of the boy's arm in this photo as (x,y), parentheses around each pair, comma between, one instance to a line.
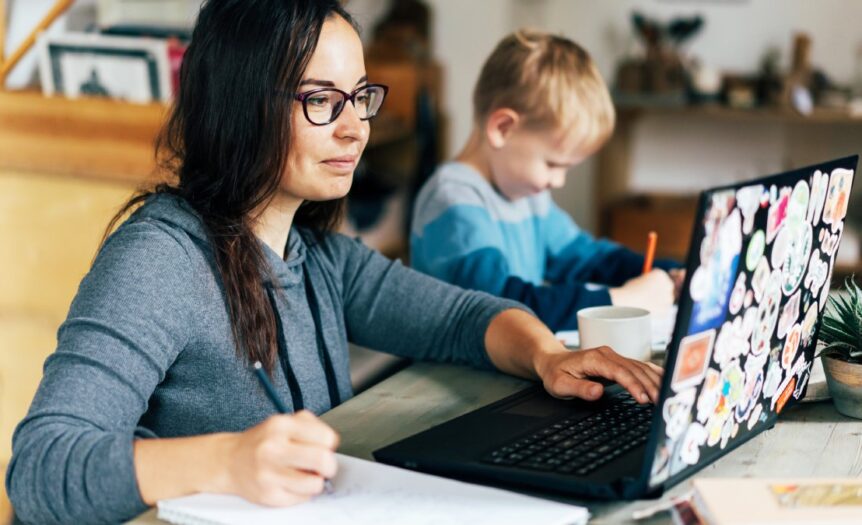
(575,256)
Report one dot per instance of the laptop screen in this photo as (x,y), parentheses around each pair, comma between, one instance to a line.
(758,276)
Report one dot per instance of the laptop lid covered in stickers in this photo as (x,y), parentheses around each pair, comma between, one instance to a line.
(758,276)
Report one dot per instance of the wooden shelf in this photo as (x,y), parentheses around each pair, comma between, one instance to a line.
(776,115)
(94,138)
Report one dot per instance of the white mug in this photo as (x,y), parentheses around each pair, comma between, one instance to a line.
(625,329)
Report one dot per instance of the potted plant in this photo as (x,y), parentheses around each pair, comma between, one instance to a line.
(841,335)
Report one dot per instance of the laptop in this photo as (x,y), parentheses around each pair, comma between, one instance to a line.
(758,275)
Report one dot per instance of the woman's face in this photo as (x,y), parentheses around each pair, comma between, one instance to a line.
(322,159)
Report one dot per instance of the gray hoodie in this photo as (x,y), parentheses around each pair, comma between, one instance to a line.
(147,351)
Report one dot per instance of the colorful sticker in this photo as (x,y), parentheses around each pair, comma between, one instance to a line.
(796,260)
(830,240)
(797,208)
(722,249)
(780,247)
(692,360)
(837,196)
(755,250)
(755,416)
(767,314)
(789,315)
(737,296)
(709,395)
(819,183)
(759,279)
(695,437)
(733,383)
(777,213)
(748,201)
(749,319)
(774,374)
(791,346)
(818,269)
(676,412)
(811,316)
(782,399)
(751,395)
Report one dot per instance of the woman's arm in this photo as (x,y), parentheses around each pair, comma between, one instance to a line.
(519,344)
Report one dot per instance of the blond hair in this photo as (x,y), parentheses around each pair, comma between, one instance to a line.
(551,82)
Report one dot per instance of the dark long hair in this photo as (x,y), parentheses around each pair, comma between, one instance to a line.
(227,139)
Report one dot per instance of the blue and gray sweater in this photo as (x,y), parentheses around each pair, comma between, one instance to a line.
(146,351)
(466,233)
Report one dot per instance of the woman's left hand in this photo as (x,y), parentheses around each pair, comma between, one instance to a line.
(565,374)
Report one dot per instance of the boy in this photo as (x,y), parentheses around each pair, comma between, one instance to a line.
(487,221)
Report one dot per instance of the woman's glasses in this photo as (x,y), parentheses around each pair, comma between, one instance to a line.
(322,106)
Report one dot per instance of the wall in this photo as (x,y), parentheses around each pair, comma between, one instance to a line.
(670,154)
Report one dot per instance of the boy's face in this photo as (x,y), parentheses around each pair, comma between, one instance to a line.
(532,161)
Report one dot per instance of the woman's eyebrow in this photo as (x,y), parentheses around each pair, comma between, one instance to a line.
(328,83)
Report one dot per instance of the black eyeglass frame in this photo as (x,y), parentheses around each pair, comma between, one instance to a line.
(302,97)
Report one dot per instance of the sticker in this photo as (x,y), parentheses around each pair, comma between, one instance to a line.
(748,201)
(750,395)
(716,423)
(777,213)
(749,299)
(676,412)
(780,248)
(789,315)
(749,319)
(782,399)
(800,385)
(773,378)
(767,315)
(837,196)
(737,296)
(759,279)
(699,286)
(726,431)
(755,416)
(709,395)
(830,240)
(721,250)
(819,183)
(733,384)
(791,346)
(818,497)
(695,437)
(809,323)
(730,343)
(818,269)
(755,250)
(824,292)
(660,470)
(692,360)
(797,207)
(796,260)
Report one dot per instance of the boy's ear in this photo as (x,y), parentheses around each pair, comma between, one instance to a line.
(500,125)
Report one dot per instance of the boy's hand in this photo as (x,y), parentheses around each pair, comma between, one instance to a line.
(566,374)
(653,291)
(677,275)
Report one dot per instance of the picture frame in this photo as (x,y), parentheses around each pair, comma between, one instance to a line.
(132,69)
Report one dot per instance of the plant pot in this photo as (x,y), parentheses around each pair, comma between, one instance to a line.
(845,385)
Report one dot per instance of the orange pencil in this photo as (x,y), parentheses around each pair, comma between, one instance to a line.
(652,239)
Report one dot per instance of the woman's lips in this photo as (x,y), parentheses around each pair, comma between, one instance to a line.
(342,163)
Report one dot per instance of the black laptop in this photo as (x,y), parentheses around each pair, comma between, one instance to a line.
(758,275)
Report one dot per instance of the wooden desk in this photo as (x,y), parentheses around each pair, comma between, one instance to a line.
(809,439)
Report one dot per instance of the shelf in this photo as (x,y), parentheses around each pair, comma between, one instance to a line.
(93,138)
(775,115)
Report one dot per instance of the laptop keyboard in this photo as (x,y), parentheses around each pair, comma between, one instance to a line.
(580,446)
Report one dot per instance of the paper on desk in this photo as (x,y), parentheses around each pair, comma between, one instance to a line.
(373,493)
(662,330)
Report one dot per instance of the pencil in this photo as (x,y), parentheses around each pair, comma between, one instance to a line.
(652,239)
(282,408)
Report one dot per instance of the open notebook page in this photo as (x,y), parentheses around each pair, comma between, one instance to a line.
(372,493)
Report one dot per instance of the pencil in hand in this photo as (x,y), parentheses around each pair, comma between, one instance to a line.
(652,239)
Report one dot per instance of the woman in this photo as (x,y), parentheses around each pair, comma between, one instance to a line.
(150,393)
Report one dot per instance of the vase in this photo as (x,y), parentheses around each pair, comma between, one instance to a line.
(845,385)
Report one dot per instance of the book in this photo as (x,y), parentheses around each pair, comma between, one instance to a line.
(724,501)
(366,492)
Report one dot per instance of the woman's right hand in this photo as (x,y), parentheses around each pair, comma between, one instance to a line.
(281,461)
(653,291)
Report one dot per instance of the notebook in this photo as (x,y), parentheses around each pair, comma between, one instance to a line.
(778,501)
(372,493)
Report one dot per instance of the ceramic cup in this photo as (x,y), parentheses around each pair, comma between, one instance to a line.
(624,328)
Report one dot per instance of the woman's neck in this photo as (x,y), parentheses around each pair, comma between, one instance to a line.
(475,156)
(273,223)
